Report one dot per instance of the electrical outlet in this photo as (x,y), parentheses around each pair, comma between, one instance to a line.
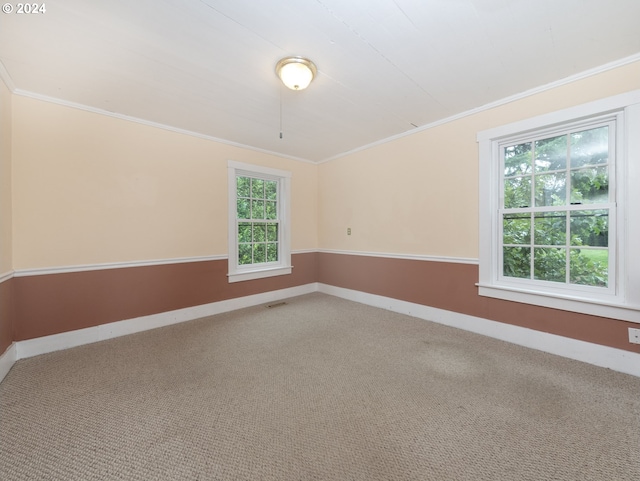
(348,230)
(634,335)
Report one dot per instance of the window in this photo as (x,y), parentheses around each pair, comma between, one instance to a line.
(259,239)
(556,215)
(556,207)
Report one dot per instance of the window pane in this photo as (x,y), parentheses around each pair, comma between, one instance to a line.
(257,209)
(590,228)
(517,159)
(271,209)
(556,191)
(590,147)
(590,267)
(550,228)
(516,229)
(244,254)
(271,189)
(272,232)
(551,189)
(551,154)
(272,252)
(257,188)
(259,253)
(517,262)
(243,186)
(517,192)
(590,186)
(244,232)
(259,232)
(243,209)
(550,264)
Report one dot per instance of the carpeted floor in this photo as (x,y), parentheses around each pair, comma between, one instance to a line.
(317,389)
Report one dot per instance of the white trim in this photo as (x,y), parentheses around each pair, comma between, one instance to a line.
(630,196)
(6,276)
(120,265)
(571,114)
(250,169)
(6,78)
(114,265)
(603,356)
(498,103)
(304,251)
(4,74)
(583,305)
(239,273)
(413,257)
(623,304)
(180,260)
(7,360)
(66,340)
(259,273)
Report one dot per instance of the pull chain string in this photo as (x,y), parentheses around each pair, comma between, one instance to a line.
(280,111)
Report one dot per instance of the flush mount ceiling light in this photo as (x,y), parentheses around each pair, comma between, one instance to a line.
(296,72)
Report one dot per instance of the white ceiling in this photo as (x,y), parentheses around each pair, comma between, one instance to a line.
(385,67)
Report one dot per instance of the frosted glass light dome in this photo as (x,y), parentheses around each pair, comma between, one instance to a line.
(296,72)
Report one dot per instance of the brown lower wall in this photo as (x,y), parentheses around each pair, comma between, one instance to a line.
(451,286)
(55,303)
(35,306)
(6,314)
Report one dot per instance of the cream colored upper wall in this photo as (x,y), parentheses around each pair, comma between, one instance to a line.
(91,188)
(6,264)
(419,194)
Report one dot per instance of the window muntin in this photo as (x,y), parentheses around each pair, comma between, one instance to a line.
(556,208)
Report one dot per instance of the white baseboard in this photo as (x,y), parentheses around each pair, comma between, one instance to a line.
(7,360)
(603,356)
(66,340)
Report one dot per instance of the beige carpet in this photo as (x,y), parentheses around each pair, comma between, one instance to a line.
(317,389)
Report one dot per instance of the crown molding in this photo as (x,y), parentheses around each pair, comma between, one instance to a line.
(148,123)
(522,95)
(4,75)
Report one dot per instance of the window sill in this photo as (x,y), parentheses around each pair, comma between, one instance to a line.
(259,273)
(589,306)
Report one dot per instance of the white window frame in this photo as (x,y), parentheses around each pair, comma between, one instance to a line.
(238,272)
(622,299)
